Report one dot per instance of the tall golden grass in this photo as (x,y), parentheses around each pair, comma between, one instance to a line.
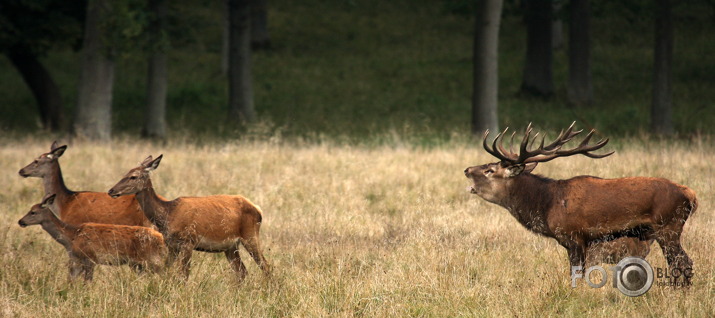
(350,231)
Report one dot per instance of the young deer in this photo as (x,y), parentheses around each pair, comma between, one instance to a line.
(105,244)
(583,210)
(81,207)
(216,223)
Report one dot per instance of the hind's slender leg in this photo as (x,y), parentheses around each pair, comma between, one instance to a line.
(253,246)
(235,260)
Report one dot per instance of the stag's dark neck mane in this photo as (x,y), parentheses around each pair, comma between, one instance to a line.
(530,197)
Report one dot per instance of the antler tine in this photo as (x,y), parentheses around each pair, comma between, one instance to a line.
(525,154)
(583,148)
(511,142)
(564,137)
(499,147)
(494,150)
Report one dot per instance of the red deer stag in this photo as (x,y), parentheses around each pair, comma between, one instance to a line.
(105,244)
(583,210)
(215,223)
(84,206)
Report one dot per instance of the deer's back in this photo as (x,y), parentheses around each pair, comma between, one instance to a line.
(99,207)
(594,202)
(214,217)
(117,244)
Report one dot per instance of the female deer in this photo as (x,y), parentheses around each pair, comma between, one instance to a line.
(81,206)
(214,224)
(106,244)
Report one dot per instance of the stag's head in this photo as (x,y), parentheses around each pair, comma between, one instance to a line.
(136,179)
(42,166)
(39,212)
(492,179)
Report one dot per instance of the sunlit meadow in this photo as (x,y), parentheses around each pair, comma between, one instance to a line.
(368,231)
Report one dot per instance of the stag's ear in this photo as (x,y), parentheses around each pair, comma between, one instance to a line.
(529,167)
(513,171)
(153,164)
(56,152)
(47,200)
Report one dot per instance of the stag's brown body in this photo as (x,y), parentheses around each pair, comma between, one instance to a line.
(583,211)
(210,224)
(84,206)
(89,244)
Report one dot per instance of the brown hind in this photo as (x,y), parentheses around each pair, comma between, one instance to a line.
(216,223)
(81,206)
(89,244)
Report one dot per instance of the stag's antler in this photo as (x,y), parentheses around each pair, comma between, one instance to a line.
(544,152)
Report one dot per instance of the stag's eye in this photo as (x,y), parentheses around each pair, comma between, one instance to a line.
(489,171)
(132,177)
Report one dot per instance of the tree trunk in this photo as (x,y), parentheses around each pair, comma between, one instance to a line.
(259,25)
(557,27)
(155,117)
(580,90)
(43,87)
(537,78)
(225,35)
(93,116)
(239,71)
(486,74)
(661,107)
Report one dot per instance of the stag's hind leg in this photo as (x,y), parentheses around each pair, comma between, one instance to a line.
(680,266)
(234,258)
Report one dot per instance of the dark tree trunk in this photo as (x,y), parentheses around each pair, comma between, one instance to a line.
(93,116)
(486,74)
(43,87)
(155,116)
(239,70)
(557,27)
(580,90)
(661,107)
(225,38)
(537,78)
(259,25)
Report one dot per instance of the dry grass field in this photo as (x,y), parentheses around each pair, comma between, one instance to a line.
(379,231)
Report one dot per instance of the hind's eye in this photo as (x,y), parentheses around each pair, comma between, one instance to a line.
(132,178)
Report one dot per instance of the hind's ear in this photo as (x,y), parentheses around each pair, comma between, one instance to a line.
(153,164)
(146,161)
(48,200)
(57,152)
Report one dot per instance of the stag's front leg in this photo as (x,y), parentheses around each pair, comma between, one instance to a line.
(577,252)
